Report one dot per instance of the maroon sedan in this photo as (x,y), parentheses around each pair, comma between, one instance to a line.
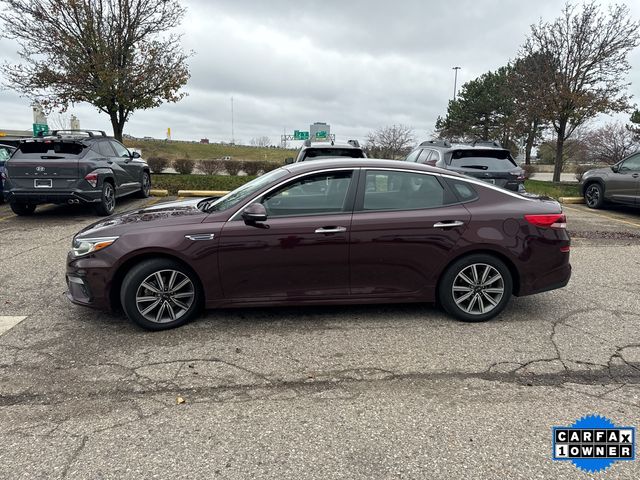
(327,232)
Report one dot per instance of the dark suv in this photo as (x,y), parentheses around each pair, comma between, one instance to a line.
(322,150)
(619,183)
(5,152)
(74,166)
(486,161)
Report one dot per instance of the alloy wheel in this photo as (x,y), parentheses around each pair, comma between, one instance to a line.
(592,195)
(165,296)
(478,288)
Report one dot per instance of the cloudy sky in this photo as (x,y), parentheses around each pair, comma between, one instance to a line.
(357,65)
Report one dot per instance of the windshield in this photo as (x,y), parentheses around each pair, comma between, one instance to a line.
(482,159)
(317,153)
(241,193)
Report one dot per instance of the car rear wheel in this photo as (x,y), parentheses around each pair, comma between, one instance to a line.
(145,189)
(594,195)
(107,203)
(22,209)
(160,294)
(475,288)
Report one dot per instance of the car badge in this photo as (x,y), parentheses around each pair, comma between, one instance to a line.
(40,169)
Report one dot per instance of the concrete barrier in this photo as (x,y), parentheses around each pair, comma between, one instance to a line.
(202,193)
(571,200)
(159,193)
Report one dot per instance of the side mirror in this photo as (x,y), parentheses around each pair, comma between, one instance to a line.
(288,160)
(254,213)
(135,155)
(615,168)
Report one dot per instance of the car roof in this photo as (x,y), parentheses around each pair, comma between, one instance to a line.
(347,162)
(449,147)
(330,145)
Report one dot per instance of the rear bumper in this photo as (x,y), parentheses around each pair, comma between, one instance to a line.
(551,280)
(38,197)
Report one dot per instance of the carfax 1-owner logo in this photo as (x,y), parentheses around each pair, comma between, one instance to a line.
(594,443)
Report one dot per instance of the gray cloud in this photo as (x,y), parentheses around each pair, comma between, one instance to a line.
(358,65)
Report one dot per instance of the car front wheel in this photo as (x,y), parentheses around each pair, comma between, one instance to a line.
(145,188)
(594,196)
(475,288)
(159,294)
(107,203)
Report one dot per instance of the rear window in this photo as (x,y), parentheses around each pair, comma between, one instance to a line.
(491,159)
(333,152)
(63,148)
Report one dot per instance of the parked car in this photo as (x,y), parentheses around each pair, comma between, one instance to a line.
(5,152)
(619,183)
(74,166)
(378,231)
(321,150)
(486,161)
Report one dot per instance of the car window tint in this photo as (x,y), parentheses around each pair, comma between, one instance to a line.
(632,164)
(477,159)
(464,190)
(313,195)
(120,149)
(413,155)
(104,149)
(4,153)
(424,156)
(317,153)
(390,190)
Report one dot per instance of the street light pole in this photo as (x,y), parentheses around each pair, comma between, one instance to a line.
(455,82)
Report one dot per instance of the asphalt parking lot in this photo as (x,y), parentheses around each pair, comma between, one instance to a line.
(398,391)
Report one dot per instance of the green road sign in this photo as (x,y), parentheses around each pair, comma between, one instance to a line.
(300,135)
(40,129)
(321,134)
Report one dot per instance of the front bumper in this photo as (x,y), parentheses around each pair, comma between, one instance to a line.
(88,279)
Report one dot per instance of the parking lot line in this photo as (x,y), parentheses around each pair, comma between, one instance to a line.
(6,323)
(604,215)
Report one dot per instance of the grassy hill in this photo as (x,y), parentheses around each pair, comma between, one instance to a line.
(203,151)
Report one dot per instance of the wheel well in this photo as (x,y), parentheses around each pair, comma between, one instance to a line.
(118,277)
(109,180)
(591,182)
(515,277)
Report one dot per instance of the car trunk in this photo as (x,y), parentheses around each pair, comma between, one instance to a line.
(46,165)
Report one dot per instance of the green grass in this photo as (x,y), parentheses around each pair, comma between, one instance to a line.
(203,151)
(175,182)
(550,189)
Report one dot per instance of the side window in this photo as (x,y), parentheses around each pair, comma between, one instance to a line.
(391,190)
(313,195)
(104,149)
(413,155)
(120,149)
(4,154)
(463,190)
(424,156)
(631,164)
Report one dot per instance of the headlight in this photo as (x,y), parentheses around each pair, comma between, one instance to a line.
(84,246)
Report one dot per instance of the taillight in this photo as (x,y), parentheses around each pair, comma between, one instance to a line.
(92,178)
(552,220)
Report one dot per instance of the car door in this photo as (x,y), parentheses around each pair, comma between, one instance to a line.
(301,251)
(624,185)
(404,226)
(129,171)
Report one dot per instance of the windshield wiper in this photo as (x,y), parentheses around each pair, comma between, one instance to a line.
(478,167)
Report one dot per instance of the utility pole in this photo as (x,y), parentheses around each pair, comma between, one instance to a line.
(455,82)
(233,138)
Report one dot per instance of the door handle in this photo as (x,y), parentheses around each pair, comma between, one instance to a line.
(456,223)
(331,229)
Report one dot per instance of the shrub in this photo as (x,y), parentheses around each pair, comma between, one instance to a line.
(529,170)
(252,168)
(210,167)
(157,164)
(267,166)
(233,167)
(184,165)
(582,169)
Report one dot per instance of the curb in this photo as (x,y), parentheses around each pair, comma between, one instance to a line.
(202,193)
(159,193)
(571,200)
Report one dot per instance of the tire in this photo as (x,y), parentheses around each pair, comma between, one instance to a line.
(483,302)
(22,209)
(107,203)
(145,190)
(594,195)
(148,301)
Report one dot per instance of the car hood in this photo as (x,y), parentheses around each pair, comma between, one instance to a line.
(597,171)
(172,213)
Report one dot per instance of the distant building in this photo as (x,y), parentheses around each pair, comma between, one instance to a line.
(204,140)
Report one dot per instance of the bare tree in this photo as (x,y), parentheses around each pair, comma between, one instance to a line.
(587,50)
(263,141)
(117,55)
(60,121)
(394,141)
(611,143)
